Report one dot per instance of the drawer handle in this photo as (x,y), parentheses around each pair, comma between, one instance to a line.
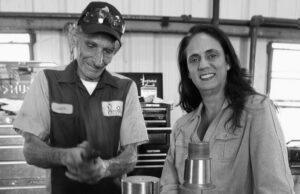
(152,154)
(150,166)
(151,161)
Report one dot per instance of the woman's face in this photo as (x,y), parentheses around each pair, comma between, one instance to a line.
(206,63)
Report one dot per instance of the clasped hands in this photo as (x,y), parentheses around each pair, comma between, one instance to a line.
(82,167)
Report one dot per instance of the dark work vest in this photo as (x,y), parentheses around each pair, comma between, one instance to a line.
(77,116)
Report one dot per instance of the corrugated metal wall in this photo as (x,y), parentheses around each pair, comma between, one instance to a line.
(157,52)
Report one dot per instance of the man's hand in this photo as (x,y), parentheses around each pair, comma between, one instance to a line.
(73,158)
(90,171)
(83,165)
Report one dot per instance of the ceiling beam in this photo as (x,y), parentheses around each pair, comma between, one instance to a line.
(269,28)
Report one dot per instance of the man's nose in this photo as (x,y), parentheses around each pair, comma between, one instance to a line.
(98,58)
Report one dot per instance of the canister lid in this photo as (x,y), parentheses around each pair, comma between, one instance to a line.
(198,150)
(140,179)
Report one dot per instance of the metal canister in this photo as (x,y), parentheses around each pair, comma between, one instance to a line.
(140,185)
(197,172)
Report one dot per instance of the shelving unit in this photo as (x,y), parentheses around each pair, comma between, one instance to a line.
(16,176)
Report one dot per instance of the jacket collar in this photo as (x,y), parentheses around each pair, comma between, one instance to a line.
(197,112)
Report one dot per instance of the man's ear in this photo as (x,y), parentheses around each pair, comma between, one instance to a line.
(71,31)
(117,46)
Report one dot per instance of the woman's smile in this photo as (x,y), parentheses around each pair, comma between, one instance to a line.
(207,76)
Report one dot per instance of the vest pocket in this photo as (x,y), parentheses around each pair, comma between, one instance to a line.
(63,130)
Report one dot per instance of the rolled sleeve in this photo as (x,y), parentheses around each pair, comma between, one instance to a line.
(133,128)
(268,152)
(34,115)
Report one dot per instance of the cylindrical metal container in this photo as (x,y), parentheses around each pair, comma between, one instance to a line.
(140,185)
(197,171)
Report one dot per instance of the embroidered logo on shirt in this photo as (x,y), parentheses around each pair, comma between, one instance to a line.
(62,108)
(112,108)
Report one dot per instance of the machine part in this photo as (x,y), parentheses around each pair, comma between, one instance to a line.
(140,185)
(197,171)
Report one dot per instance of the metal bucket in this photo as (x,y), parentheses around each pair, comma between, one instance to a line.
(140,185)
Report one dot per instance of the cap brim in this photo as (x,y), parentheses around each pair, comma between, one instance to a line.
(98,28)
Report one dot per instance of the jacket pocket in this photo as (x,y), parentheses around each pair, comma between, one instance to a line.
(228,144)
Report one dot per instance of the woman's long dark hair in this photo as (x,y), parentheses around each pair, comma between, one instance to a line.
(237,87)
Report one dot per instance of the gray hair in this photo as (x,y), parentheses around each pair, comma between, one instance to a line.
(72,31)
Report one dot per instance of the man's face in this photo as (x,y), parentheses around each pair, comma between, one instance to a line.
(94,52)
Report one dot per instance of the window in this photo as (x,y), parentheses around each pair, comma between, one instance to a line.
(15,47)
(16,72)
(283,86)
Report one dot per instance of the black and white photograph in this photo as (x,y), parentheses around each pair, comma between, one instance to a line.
(150,97)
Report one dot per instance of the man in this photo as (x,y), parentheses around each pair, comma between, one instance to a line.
(84,123)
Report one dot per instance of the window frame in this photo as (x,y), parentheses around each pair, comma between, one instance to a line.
(270,54)
(284,105)
(32,40)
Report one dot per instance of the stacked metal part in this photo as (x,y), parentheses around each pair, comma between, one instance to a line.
(140,185)
(197,172)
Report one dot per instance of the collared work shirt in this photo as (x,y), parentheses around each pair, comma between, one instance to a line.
(253,159)
(34,116)
(54,109)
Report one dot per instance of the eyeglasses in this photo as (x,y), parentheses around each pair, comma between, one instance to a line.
(104,16)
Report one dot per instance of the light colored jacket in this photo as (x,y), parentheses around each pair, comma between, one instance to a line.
(251,160)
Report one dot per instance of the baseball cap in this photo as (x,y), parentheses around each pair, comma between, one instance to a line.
(102,17)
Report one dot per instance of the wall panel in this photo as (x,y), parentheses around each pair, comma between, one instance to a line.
(137,7)
(233,9)
(172,7)
(199,8)
(245,9)
(75,6)
(51,47)
(16,5)
(265,8)
(142,52)
(287,9)
(48,6)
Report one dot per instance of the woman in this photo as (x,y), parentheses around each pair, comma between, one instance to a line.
(246,143)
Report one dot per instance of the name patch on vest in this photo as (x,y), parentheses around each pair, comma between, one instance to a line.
(112,108)
(62,108)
